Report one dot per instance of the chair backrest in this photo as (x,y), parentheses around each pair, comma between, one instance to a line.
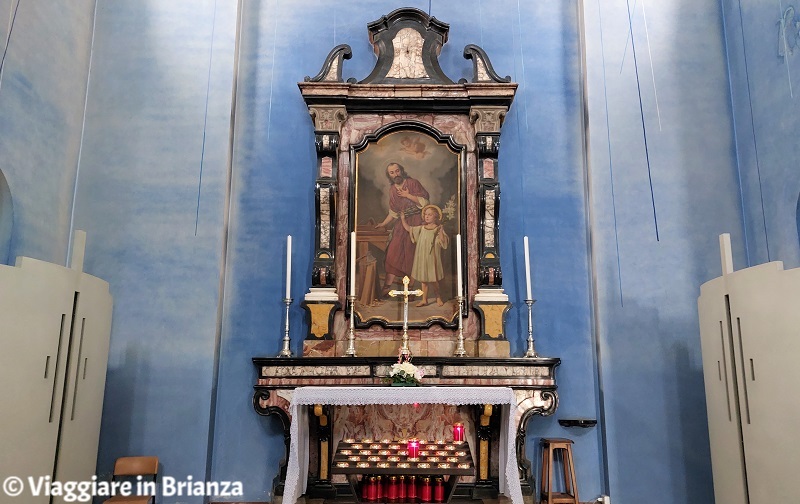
(136,466)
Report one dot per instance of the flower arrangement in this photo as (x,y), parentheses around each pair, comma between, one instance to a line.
(403,372)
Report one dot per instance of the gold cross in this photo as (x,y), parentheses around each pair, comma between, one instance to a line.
(405,293)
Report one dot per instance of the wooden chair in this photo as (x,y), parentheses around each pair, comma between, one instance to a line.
(570,493)
(131,467)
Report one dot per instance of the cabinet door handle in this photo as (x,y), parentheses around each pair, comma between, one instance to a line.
(725,365)
(55,372)
(78,370)
(46,366)
(744,371)
(752,371)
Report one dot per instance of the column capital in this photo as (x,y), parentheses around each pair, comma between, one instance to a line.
(487,119)
(328,117)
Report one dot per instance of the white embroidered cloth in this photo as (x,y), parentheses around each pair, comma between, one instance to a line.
(297,469)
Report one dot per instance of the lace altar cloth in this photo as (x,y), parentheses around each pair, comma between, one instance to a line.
(297,469)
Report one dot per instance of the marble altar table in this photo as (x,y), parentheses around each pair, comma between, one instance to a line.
(308,396)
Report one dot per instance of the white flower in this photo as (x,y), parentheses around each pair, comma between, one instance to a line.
(408,368)
(405,372)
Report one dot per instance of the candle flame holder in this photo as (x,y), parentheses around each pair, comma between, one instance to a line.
(531,352)
(286,351)
(351,338)
(458,432)
(460,351)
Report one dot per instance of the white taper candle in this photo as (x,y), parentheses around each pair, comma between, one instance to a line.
(527,270)
(352,263)
(460,281)
(289,267)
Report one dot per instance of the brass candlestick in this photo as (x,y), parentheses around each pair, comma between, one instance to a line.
(460,351)
(531,352)
(286,351)
(351,339)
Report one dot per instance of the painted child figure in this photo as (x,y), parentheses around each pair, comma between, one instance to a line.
(430,239)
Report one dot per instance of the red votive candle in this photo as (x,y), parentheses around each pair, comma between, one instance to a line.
(411,488)
(372,492)
(379,488)
(425,489)
(438,489)
(365,488)
(401,489)
(413,448)
(392,494)
(458,432)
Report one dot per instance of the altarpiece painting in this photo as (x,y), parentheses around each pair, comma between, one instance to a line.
(407,211)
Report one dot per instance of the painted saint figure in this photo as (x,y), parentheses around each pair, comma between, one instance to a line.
(430,239)
(407,198)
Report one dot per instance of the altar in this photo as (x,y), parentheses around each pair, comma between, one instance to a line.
(302,392)
(297,470)
(407,195)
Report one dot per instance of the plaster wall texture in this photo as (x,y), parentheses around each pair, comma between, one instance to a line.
(764,91)
(45,50)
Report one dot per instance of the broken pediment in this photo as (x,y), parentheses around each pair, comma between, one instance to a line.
(407,43)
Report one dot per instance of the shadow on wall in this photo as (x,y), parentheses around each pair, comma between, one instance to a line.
(798,221)
(6,220)
(661,399)
(125,387)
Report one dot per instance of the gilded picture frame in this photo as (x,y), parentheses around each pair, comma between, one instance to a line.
(407,207)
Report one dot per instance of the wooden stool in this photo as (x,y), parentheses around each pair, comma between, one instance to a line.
(570,494)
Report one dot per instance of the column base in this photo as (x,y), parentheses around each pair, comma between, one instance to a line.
(320,305)
(492,306)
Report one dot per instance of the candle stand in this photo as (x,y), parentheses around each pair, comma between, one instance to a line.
(351,339)
(460,351)
(531,352)
(286,351)
(385,460)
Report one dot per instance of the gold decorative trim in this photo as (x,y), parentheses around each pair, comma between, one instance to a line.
(483,468)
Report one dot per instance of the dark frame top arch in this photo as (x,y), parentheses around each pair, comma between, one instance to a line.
(382,33)
(433,35)
(447,140)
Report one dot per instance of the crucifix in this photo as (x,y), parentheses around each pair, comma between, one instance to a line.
(405,293)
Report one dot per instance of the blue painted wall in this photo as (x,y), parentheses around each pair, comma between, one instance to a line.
(151,196)
(664,186)
(765,89)
(195,255)
(42,91)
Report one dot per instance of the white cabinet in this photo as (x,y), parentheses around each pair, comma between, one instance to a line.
(55,324)
(750,336)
